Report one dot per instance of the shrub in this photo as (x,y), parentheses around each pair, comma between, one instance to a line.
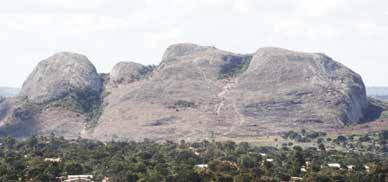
(184,104)
(234,65)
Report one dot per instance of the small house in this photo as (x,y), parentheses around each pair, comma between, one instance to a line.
(308,164)
(367,168)
(296,179)
(350,167)
(202,166)
(334,165)
(52,159)
(79,178)
(105,179)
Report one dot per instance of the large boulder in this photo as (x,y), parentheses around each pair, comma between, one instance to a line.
(58,97)
(283,87)
(60,75)
(126,72)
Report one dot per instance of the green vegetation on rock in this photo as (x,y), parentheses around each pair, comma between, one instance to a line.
(234,65)
(184,104)
(84,102)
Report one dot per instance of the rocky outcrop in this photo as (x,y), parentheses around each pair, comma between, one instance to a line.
(199,92)
(232,95)
(297,87)
(126,72)
(56,98)
(175,51)
(60,75)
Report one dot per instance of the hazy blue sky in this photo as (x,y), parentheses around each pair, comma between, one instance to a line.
(353,32)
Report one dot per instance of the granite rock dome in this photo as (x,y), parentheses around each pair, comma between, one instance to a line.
(60,75)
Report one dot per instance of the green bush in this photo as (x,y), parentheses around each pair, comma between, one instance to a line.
(234,65)
(184,104)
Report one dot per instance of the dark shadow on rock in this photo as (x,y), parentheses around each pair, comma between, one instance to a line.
(374,110)
(19,130)
(23,122)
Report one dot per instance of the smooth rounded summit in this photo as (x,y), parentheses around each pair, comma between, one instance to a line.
(59,75)
(126,72)
(182,49)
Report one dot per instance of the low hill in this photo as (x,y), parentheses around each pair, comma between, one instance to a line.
(9,91)
(378,92)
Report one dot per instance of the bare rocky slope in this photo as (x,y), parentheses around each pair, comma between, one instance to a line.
(196,92)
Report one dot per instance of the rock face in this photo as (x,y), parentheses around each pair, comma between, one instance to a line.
(283,85)
(199,92)
(59,75)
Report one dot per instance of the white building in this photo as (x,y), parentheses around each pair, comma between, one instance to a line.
(52,159)
(296,179)
(79,178)
(350,167)
(202,166)
(334,165)
(367,168)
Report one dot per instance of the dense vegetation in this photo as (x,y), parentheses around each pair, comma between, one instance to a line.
(373,142)
(234,65)
(23,160)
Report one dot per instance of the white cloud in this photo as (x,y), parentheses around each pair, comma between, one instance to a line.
(317,8)
(370,28)
(72,4)
(160,40)
(304,29)
(367,28)
(289,26)
(216,2)
(243,6)
(61,23)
